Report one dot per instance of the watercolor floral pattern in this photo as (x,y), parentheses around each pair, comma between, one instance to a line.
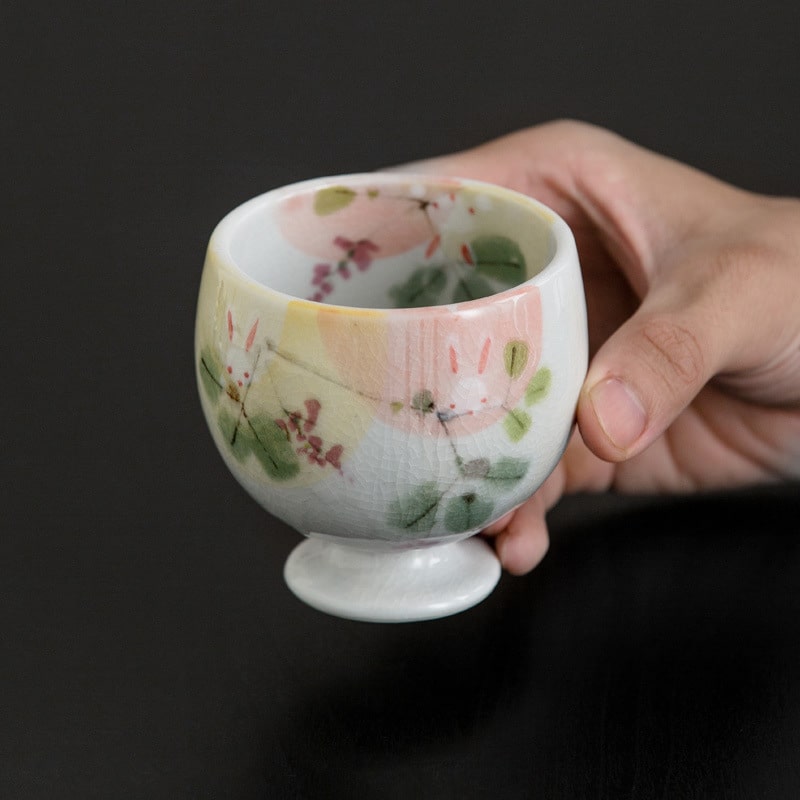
(432,374)
(279,444)
(486,265)
(356,254)
(284,445)
(481,266)
(469,500)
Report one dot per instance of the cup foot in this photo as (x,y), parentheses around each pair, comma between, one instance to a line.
(392,585)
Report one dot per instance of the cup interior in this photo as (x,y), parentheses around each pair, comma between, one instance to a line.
(390,240)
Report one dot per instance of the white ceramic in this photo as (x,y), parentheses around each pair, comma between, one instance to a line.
(389,363)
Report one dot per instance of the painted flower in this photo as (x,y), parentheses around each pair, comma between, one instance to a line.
(360,252)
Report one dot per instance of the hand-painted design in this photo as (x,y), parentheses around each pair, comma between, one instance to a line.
(506,471)
(397,219)
(467,512)
(359,254)
(396,232)
(240,363)
(299,427)
(369,223)
(518,422)
(415,512)
(474,379)
(423,288)
(465,507)
(261,437)
(539,386)
(246,434)
(515,357)
(469,509)
(499,258)
(277,444)
(488,264)
(333,199)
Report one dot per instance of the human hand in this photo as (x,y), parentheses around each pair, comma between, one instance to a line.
(693,297)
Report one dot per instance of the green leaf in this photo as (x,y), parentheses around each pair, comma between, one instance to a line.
(416,511)
(515,356)
(507,471)
(237,433)
(210,370)
(262,437)
(332,199)
(517,423)
(467,512)
(539,386)
(471,286)
(423,288)
(499,258)
(423,401)
(273,450)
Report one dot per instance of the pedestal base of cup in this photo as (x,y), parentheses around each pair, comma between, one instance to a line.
(392,585)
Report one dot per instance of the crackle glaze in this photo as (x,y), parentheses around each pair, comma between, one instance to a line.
(390,360)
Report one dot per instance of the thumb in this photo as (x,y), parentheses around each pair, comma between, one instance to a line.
(648,372)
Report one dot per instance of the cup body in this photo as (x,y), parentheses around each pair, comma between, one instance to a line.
(387,359)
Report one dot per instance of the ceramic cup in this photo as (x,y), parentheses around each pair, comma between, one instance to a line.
(388,363)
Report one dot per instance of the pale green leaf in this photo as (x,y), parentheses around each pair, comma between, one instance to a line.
(517,423)
(415,512)
(210,371)
(515,356)
(467,512)
(273,449)
(423,288)
(332,199)
(236,433)
(507,471)
(471,286)
(499,258)
(539,386)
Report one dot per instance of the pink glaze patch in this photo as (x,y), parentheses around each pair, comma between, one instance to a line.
(454,372)
(440,371)
(393,220)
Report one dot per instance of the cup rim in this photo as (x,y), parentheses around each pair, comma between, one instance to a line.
(221,239)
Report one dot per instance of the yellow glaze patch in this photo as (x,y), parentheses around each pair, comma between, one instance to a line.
(307,306)
(321,404)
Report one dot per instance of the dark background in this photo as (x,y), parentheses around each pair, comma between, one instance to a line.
(148,645)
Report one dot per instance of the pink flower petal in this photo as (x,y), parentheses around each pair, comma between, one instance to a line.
(345,244)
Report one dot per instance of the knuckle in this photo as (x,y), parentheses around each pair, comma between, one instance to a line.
(673,352)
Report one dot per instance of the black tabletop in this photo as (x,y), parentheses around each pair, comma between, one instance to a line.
(149,646)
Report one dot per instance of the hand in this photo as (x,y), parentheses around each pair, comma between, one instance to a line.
(693,295)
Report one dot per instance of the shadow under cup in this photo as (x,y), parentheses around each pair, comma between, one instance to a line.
(389,363)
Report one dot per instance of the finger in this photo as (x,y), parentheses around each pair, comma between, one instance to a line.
(693,324)
(524,542)
(499,525)
(521,537)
